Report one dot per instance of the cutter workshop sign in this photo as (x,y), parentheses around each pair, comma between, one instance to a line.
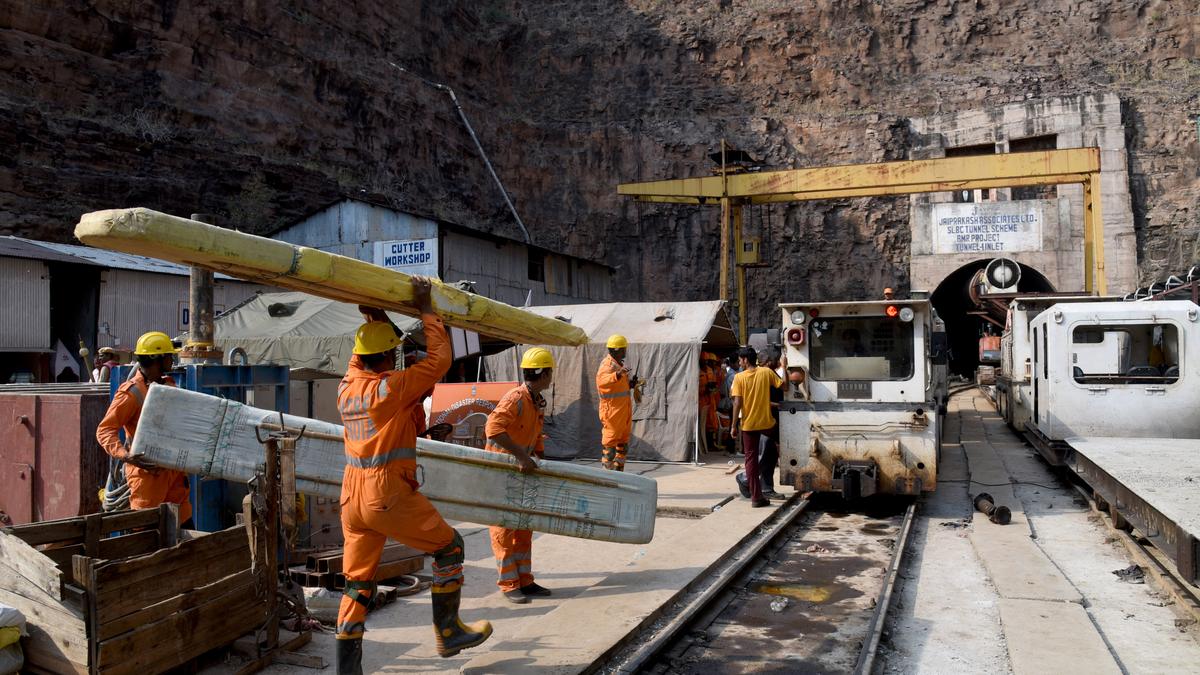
(411,256)
(988,227)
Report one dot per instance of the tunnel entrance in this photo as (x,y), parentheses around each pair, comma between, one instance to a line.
(952,300)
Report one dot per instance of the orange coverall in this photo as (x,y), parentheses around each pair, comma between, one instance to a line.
(616,412)
(147,487)
(380,497)
(519,415)
(712,422)
(708,404)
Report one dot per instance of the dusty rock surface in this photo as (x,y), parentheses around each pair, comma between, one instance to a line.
(267,111)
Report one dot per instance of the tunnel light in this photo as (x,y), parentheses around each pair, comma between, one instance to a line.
(906,314)
(892,311)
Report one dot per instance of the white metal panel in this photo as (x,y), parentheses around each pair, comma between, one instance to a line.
(25,305)
(1068,408)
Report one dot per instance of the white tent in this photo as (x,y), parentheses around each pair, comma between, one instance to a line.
(665,344)
(298,330)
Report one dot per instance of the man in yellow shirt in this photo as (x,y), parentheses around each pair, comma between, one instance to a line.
(752,415)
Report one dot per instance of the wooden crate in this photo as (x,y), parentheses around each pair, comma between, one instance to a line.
(141,602)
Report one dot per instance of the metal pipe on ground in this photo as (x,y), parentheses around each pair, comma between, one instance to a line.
(1000,515)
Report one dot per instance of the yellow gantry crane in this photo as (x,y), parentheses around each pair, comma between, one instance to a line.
(733,191)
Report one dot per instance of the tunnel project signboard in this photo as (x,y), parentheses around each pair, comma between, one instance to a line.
(989,228)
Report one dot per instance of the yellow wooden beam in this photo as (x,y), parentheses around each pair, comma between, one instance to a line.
(887,178)
(299,268)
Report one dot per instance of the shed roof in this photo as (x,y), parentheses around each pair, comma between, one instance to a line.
(19,247)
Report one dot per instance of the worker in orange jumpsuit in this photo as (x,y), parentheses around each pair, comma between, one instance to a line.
(149,486)
(614,384)
(712,423)
(380,497)
(708,408)
(515,427)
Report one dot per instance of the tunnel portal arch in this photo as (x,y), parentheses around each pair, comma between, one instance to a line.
(953,303)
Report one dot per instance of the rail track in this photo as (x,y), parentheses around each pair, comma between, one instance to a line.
(807,593)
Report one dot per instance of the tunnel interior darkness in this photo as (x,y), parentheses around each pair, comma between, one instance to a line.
(952,300)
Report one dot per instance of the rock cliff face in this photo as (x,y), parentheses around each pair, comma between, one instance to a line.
(268,111)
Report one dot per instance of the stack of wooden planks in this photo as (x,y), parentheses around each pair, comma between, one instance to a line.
(142,601)
(324,569)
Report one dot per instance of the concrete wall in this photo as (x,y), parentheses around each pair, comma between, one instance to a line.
(1085,120)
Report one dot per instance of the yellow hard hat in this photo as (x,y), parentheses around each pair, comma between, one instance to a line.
(153,344)
(375,337)
(616,341)
(537,357)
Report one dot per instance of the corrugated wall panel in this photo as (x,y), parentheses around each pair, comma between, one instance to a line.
(133,303)
(351,228)
(25,305)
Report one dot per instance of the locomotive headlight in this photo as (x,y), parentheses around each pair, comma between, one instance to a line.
(799,317)
(906,314)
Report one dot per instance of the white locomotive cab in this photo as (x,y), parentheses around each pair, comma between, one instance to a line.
(860,410)
(1121,369)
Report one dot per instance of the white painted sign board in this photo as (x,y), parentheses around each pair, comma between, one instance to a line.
(989,228)
(411,256)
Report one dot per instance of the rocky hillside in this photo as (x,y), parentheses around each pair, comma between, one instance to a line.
(268,112)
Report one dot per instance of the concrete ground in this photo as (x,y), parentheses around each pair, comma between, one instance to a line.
(1037,595)
(399,637)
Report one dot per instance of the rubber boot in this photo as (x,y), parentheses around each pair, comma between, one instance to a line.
(349,656)
(453,635)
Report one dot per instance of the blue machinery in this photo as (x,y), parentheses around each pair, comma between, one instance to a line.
(214,502)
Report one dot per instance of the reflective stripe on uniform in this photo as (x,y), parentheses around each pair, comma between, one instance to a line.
(508,568)
(619,394)
(381,459)
(351,628)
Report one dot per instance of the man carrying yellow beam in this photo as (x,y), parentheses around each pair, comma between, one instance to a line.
(380,496)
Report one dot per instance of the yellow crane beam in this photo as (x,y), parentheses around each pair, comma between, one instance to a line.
(733,191)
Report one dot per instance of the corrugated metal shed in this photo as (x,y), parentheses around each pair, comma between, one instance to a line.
(501,268)
(351,228)
(136,294)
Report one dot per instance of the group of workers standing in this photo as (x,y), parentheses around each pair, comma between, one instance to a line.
(382,415)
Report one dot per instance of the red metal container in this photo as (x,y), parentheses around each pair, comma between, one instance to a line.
(52,466)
